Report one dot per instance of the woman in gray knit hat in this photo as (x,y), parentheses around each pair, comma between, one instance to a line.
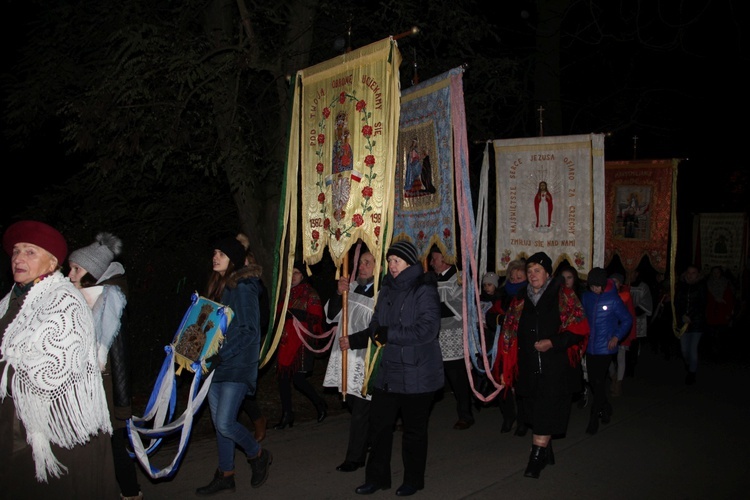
(102,281)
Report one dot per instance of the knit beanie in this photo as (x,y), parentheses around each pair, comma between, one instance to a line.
(542,259)
(597,277)
(405,250)
(97,257)
(492,278)
(36,233)
(233,249)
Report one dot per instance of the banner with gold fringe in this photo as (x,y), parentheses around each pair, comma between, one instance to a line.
(639,211)
(338,184)
(550,197)
(350,111)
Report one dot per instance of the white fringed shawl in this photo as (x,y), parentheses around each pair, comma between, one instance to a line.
(56,386)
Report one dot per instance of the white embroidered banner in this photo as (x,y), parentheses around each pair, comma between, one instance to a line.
(722,241)
(550,198)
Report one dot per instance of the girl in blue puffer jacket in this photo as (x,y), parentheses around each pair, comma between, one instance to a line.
(610,322)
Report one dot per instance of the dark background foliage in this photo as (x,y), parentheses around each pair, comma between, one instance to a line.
(165,122)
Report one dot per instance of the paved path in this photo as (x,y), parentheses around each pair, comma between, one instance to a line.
(666,441)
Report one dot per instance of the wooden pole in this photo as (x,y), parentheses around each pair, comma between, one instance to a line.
(344,325)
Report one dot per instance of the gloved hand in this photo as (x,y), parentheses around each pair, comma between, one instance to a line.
(213,361)
(380,336)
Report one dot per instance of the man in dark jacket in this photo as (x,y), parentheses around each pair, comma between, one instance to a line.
(690,309)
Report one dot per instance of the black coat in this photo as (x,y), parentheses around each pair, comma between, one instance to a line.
(546,380)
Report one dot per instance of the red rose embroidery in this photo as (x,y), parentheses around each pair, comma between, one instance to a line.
(358,220)
(321,197)
(326,112)
(367,131)
(342,97)
(338,234)
(361,105)
(326,223)
(377,231)
(446,233)
(369,160)
(315,235)
(321,138)
(319,168)
(367,191)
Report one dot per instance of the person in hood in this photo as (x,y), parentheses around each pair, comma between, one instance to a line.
(610,322)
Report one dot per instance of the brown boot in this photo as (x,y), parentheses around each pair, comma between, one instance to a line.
(259,428)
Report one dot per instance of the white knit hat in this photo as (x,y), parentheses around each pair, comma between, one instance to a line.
(97,257)
(492,278)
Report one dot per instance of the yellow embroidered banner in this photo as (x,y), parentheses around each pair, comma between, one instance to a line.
(550,198)
(639,211)
(349,122)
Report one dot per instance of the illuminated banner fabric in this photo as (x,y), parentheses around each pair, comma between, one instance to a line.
(349,119)
(425,188)
(639,211)
(550,198)
(722,241)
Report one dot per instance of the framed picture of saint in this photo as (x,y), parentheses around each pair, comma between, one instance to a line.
(201,332)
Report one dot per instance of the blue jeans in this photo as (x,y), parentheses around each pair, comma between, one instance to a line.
(224,399)
(689,344)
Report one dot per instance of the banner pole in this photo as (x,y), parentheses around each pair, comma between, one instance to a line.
(344,327)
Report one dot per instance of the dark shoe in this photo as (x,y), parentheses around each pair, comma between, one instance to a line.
(322,411)
(348,466)
(521,430)
(287,418)
(259,428)
(507,425)
(593,426)
(217,484)
(537,461)
(369,489)
(260,466)
(406,491)
(462,425)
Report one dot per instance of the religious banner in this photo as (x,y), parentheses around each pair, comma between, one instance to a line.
(550,198)
(349,121)
(340,165)
(424,188)
(721,242)
(639,211)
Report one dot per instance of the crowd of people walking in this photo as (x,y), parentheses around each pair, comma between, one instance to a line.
(552,338)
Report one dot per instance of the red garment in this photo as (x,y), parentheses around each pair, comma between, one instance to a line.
(719,311)
(537,200)
(573,319)
(304,304)
(624,293)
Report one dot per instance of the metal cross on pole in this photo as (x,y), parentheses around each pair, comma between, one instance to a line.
(541,121)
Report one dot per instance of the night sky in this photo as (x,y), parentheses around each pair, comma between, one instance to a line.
(704,75)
